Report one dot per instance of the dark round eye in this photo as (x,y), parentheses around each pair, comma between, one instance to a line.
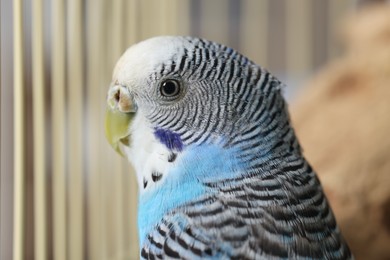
(170,88)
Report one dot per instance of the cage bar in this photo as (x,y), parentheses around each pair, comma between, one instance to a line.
(19,140)
(75,194)
(40,180)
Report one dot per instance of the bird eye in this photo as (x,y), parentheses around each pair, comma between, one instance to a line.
(170,88)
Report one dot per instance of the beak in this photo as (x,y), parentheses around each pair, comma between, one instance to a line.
(120,112)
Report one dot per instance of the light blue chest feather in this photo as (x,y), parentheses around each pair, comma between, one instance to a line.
(184,182)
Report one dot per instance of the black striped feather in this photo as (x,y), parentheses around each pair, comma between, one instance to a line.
(281,216)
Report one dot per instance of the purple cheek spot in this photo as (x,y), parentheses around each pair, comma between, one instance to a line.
(170,139)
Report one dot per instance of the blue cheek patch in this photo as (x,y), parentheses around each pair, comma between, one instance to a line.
(170,139)
(184,182)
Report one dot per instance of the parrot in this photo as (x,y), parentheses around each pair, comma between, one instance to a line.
(220,171)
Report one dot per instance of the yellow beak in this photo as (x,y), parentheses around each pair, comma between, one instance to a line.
(117,128)
(120,112)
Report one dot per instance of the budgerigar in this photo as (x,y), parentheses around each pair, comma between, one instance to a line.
(220,171)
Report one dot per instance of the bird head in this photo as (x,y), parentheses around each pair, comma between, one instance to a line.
(182,91)
(164,80)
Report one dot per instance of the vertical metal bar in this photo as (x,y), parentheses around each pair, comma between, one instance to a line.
(131,22)
(183,13)
(234,23)
(299,42)
(112,164)
(151,18)
(60,230)
(96,240)
(169,21)
(254,30)
(75,121)
(131,189)
(336,9)
(19,142)
(277,37)
(195,17)
(106,155)
(39,133)
(7,134)
(319,32)
(117,175)
(219,31)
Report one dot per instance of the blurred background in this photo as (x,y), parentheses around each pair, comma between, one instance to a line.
(65,194)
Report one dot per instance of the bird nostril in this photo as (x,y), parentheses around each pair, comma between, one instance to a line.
(114,97)
(117,96)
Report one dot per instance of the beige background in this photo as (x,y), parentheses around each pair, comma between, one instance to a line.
(64,193)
